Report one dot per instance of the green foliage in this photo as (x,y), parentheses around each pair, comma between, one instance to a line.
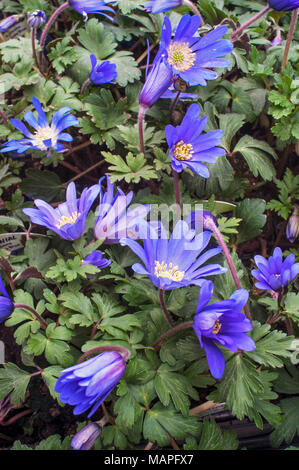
(131,170)
(62,55)
(13,380)
(211,438)
(251,211)
(288,190)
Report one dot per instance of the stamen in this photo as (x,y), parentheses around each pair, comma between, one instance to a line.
(216,328)
(68,220)
(183,151)
(168,271)
(45,133)
(181,56)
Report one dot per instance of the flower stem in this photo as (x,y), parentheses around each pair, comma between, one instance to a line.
(173,104)
(182,326)
(164,308)
(254,18)
(193,7)
(123,351)
(290,37)
(177,192)
(85,85)
(33,35)
(52,18)
(43,322)
(210,225)
(141,114)
(4,118)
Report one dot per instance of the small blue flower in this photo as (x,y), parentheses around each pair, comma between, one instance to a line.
(191,57)
(115,220)
(89,383)
(223,323)
(36,19)
(85,7)
(275,273)
(45,136)
(159,6)
(102,73)
(68,219)
(175,262)
(6,304)
(86,437)
(284,5)
(9,22)
(188,148)
(96,258)
(157,82)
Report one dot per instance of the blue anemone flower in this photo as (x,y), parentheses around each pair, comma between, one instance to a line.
(6,304)
(191,57)
(102,73)
(85,7)
(188,148)
(223,323)
(68,219)
(96,258)
(114,219)
(36,19)
(89,383)
(45,136)
(159,6)
(175,262)
(274,273)
(284,5)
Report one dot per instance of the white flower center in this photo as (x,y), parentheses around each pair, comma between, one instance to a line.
(68,220)
(181,56)
(168,271)
(45,133)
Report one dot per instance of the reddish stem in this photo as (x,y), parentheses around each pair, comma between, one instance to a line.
(123,351)
(51,21)
(164,308)
(43,322)
(210,225)
(187,324)
(254,18)
(290,37)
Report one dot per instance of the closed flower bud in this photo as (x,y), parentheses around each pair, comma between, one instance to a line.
(36,19)
(86,437)
(293,226)
(157,82)
(86,385)
(9,22)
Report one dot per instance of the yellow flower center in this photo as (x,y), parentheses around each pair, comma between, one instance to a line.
(181,56)
(45,133)
(216,328)
(183,151)
(68,220)
(168,271)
